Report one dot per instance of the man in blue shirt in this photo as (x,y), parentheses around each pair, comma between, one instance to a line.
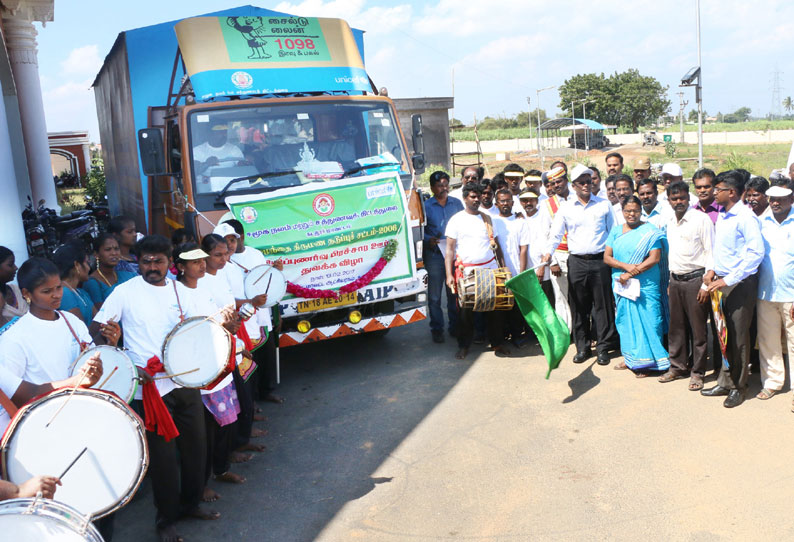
(738,251)
(438,210)
(776,290)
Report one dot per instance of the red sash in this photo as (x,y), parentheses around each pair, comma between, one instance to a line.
(157,418)
(554,206)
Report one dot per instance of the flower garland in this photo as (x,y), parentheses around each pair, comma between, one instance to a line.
(313,293)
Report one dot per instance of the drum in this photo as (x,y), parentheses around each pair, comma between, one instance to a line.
(265,279)
(107,474)
(199,351)
(43,519)
(484,290)
(123,382)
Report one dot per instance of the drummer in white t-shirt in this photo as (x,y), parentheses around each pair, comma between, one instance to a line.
(469,247)
(148,307)
(42,345)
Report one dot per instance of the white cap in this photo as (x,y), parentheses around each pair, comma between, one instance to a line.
(671,168)
(580,170)
(223,229)
(778,192)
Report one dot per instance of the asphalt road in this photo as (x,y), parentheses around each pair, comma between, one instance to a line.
(391,439)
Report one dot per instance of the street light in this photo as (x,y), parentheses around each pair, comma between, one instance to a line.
(694,78)
(537,132)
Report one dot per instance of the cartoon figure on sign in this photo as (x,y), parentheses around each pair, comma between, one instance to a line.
(253,30)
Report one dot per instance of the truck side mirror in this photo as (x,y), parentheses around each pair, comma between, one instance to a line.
(150,142)
(417,138)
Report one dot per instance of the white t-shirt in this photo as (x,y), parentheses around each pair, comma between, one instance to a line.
(538,237)
(517,207)
(493,210)
(212,293)
(9,383)
(229,152)
(472,243)
(249,258)
(41,351)
(147,314)
(512,233)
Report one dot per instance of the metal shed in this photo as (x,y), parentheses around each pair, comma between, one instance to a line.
(584,133)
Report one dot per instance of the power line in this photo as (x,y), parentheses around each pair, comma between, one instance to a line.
(776,83)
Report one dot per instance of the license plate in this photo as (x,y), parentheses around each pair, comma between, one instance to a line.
(37,242)
(326,302)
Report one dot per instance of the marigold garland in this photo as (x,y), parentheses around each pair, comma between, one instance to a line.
(314,293)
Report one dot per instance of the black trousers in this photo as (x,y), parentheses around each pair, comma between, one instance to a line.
(219,445)
(494,322)
(548,289)
(738,306)
(177,467)
(590,295)
(264,378)
(688,325)
(245,419)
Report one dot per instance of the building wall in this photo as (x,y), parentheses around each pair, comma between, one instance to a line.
(435,126)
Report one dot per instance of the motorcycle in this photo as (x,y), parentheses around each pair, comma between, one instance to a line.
(35,234)
(78,225)
(100,211)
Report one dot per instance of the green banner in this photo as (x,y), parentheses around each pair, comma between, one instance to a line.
(330,234)
(274,39)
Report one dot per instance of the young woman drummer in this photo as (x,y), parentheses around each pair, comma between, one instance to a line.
(44,343)
(221,404)
(104,280)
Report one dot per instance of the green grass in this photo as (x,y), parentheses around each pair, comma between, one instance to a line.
(523,132)
(757,159)
(71,199)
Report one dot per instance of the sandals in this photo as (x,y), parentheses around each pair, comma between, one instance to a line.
(670,376)
(765,394)
(620,366)
(695,383)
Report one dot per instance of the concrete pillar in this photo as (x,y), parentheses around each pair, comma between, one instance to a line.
(22,54)
(12,234)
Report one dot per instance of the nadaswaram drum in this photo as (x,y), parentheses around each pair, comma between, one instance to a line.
(106,476)
(201,346)
(123,382)
(484,290)
(40,520)
(265,279)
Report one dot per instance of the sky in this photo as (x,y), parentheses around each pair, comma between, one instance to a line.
(490,55)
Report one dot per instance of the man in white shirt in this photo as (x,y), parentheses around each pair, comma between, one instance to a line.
(469,247)
(148,307)
(538,237)
(587,221)
(624,188)
(652,211)
(690,234)
(514,174)
(216,151)
(487,198)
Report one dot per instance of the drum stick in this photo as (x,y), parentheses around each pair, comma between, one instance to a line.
(267,288)
(261,277)
(102,385)
(175,374)
(79,383)
(72,463)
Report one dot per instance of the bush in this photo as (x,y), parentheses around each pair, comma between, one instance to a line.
(95,185)
(423,180)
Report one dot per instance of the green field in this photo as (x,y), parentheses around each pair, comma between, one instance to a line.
(757,159)
(523,132)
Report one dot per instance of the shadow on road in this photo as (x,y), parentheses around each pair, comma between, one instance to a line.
(349,403)
(581,384)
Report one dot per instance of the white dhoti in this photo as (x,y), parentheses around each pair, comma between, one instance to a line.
(560,286)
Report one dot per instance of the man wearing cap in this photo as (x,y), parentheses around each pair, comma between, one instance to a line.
(559,193)
(642,168)
(672,172)
(738,251)
(587,220)
(776,290)
(215,151)
(514,174)
(439,209)
(533,180)
(537,240)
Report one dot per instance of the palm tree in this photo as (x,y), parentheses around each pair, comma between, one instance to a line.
(788,105)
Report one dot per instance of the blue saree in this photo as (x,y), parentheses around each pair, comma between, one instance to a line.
(641,323)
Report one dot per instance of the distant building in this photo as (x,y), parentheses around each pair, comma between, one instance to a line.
(70,152)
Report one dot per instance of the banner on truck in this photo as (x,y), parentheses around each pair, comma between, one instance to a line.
(235,56)
(330,234)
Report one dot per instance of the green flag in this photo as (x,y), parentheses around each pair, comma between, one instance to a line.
(551,331)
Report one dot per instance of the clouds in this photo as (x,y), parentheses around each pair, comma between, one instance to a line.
(83,61)
(68,98)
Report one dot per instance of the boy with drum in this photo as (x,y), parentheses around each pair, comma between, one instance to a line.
(148,308)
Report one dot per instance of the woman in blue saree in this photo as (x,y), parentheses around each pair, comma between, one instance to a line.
(638,251)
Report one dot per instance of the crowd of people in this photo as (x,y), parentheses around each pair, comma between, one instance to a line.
(132,292)
(644,266)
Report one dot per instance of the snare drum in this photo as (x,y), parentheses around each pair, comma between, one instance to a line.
(265,279)
(484,290)
(123,382)
(106,476)
(198,343)
(43,519)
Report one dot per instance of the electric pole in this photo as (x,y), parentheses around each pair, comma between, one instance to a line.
(774,110)
(682,104)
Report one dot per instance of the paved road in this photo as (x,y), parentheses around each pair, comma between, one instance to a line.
(392,440)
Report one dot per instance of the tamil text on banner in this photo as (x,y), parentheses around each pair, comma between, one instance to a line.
(234,56)
(331,234)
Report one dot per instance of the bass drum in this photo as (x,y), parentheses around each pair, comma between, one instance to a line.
(34,520)
(265,279)
(117,365)
(199,351)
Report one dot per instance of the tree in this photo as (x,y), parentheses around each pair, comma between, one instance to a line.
(627,98)
(521,118)
(455,122)
(742,114)
(788,105)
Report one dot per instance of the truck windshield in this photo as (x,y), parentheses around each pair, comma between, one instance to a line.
(318,140)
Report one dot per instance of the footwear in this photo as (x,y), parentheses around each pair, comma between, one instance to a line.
(438,337)
(603,359)
(695,383)
(734,399)
(716,391)
(621,366)
(671,375)
(580,357)
(765,394)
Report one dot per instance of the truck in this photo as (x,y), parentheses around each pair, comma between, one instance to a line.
(272,119)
